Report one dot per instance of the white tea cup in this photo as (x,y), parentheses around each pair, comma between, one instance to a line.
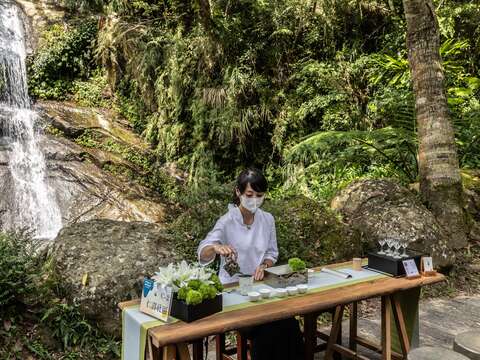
(302,288)
(265,293)
(253,296)
(292,290)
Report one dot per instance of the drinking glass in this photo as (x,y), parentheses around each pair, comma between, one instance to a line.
(404,252)
(396,246)
(389,245)
(245,283)
(382,243)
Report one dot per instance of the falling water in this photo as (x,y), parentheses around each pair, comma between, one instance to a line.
(34,205)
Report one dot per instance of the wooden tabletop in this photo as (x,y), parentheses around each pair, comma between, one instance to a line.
(264,313)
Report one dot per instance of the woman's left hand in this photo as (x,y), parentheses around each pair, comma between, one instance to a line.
(259,272)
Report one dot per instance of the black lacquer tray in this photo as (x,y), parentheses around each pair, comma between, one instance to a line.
(389,265)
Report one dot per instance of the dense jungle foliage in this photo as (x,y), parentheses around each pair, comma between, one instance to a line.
(314,92)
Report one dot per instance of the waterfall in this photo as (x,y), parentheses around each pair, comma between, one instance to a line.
(34,206)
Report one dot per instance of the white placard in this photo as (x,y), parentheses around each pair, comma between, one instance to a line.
(427,263)
(156,299)
(410,267)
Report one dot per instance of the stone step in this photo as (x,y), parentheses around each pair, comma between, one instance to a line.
(468,344)
(434,353)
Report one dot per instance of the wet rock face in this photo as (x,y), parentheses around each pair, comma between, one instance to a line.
(103,262)
(382,208)
(83,189)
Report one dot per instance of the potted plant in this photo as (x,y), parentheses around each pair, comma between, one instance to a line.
(197,291)
(291,274)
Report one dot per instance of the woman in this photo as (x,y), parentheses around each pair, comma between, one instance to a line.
(247,233)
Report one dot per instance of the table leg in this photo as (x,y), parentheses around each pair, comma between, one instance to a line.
(169,352)
(386,331)
(338,340)
(310,335)
(353,326)
(242,347)
(334,333)
(153,353)
(182,351)
(219,346)
(401,328)
(197,349)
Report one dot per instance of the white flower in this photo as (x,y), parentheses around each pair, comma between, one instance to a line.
(178,275)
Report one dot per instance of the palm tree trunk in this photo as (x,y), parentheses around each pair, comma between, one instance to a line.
(440,181)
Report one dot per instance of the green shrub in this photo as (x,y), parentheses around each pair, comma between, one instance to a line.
(64,55)
(90,92)
(24,276)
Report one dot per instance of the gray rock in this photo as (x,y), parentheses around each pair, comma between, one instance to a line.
(113,257)
(468,344)
(434,353)
(379,208)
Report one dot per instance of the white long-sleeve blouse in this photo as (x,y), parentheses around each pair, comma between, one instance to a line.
(254,243)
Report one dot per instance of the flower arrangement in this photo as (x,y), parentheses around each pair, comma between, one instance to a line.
(192,283)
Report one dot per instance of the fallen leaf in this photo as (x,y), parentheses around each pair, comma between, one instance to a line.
(7,325)
(85,279)
(18,346)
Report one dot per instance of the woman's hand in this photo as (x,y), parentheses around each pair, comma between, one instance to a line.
(259,272)
(225,250)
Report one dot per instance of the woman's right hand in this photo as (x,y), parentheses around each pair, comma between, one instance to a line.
(225,250)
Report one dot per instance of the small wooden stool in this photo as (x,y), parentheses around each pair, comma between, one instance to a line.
(434,353)
(468,344)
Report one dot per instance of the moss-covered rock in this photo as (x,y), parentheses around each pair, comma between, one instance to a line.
(305,229)
(308,230)
(102,262)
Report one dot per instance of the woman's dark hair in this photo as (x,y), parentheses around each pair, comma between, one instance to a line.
(251,176)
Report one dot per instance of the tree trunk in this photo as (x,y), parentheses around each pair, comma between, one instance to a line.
(440,181)
(204,13)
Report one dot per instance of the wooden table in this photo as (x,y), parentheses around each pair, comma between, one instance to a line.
(311,303)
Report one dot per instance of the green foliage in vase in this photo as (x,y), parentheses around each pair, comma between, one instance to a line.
(207,291)
(194,297)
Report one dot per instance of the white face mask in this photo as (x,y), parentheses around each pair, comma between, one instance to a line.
(251,203)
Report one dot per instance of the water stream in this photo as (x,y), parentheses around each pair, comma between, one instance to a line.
(34,206)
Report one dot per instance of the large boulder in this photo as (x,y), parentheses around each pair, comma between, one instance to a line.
(381,208)
(103,262)
(309,230)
